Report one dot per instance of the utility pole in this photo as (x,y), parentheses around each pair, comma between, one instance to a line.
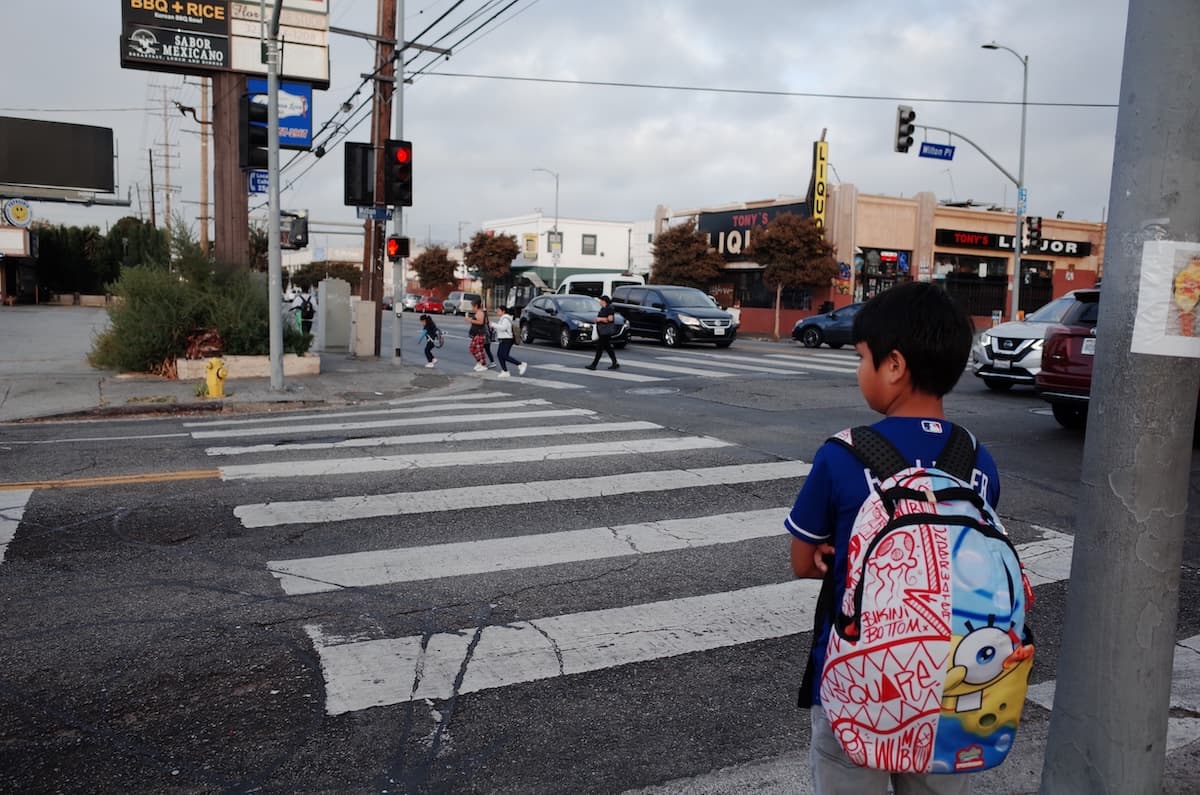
(153,218)
(204,175)
(1108,727)
(166,160)
(399,281)
(382,83)
(274,254)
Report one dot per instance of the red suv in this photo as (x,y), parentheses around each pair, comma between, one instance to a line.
(1065,380)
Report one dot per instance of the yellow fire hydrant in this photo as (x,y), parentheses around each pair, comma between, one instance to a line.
(215,374)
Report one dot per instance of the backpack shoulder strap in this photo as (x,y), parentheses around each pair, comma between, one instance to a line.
(874,450)
(958,457)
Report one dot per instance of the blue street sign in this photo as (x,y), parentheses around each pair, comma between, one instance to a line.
(260,180)
(937,151)
(295,111)
(375,213)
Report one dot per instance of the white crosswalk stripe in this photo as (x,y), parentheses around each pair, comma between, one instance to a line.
(12,508)
(601,373)
(363,667)
(417,404)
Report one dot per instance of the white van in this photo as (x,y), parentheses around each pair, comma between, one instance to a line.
(597,284)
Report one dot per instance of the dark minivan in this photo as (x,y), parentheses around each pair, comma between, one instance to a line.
(674,314)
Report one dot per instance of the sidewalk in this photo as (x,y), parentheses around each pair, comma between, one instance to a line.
(44,373)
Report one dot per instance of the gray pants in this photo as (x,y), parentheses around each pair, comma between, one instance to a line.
(834,774)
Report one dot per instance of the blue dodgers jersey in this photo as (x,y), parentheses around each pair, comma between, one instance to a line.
(835,489)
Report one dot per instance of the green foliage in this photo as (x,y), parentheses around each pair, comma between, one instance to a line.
(82,260)
(307,277)
(682,256)
(795,253)
(433,267)
(148,326)
(491,256)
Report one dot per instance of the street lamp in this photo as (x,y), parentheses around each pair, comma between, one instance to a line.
(554,255)
(1024,59)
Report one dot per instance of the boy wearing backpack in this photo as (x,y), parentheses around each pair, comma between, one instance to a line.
(902,657)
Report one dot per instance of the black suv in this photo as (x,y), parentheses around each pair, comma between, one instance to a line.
(674,314)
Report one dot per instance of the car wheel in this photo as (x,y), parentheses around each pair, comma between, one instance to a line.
(564,337)
(1073,417)
(526,334)
(671,336)
(835,345)
(811,337)
(997,384)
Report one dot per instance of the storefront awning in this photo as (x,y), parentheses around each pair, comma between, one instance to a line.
(536,280)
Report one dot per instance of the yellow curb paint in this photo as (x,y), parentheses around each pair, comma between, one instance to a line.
(115,480)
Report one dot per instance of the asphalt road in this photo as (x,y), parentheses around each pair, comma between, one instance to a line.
(457,594)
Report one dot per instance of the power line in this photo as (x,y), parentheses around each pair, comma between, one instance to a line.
(770,92)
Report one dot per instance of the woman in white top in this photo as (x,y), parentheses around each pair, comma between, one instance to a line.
(504,336)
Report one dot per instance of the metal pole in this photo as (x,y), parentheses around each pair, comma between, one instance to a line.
(399,280)
(274,259)
(557,254)
(1108,727)
(1021,195)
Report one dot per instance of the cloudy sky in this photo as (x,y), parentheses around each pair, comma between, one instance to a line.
(717,102)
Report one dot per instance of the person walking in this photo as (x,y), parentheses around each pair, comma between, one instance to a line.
(504,338)
(606,324)
(429,335)
(477,331)
(489,336)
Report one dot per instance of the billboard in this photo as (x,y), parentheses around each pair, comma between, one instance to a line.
(729,231)
(204,36)
(54,154)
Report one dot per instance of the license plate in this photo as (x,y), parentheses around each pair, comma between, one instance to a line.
(1002,364)
(718,332)
(1089,346)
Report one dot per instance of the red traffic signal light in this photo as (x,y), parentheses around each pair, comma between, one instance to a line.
(397,181)
(397,248)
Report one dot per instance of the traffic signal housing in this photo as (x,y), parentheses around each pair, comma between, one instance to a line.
(905,116)
(252,132)
(397,248)
(397,177)
(1033,227)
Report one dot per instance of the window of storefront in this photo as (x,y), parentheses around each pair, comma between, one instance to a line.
(750,291)
(1037,284)
(878,269)
(978,282)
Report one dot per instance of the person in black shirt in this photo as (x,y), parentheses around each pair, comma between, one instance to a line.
(606,324)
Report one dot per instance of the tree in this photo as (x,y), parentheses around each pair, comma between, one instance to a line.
(433,267)
(795,254)
(308,276)
(491,256)
(682,256)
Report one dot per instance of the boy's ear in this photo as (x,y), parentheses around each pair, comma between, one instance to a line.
(895,367)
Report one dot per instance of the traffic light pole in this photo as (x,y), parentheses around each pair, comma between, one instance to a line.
(274,257)
(1108,727)
(398,279)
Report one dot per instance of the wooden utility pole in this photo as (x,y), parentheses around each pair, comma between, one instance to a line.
(166,144)
(204,175)
(371,288)
(153,217)
(230,201)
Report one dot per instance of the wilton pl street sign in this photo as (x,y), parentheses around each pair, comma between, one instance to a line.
(937,151)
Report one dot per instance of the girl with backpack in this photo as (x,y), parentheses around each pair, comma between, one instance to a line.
(504,335)
(429,335)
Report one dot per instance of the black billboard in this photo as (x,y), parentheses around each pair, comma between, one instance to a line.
(145,47)
(729,230)
(185,16)
(54,154)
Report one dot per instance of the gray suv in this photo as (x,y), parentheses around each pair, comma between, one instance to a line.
(674,314)
(459,303)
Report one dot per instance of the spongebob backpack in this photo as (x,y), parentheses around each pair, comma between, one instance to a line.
(928,657)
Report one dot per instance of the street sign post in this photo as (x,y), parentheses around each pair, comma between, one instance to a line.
(375,213)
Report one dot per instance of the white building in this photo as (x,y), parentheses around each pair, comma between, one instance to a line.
(587,246)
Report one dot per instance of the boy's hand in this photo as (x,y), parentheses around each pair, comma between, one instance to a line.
(823,558)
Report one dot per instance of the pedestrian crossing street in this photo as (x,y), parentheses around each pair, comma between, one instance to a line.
(411,435)
(639,365)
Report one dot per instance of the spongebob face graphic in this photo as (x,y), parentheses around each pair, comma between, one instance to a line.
(985,686)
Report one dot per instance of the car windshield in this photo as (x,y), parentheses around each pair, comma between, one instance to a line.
(1052,312)
(685,297)
(579,303)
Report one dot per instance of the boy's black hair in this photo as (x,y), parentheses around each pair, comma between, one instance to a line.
(922,322)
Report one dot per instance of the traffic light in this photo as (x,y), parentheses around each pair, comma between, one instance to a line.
(1033,227)
(397,177)
(397,248)
(252,132)
(905,116)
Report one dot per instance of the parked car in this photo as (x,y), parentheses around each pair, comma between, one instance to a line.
(567,320)
(674,314)
(429,306)
(387,302)
(1011,353)
(835,328)
(1064,377)
(596,284)
(409,303)
(459,303)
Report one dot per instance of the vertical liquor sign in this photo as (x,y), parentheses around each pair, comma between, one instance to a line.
(820,187)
